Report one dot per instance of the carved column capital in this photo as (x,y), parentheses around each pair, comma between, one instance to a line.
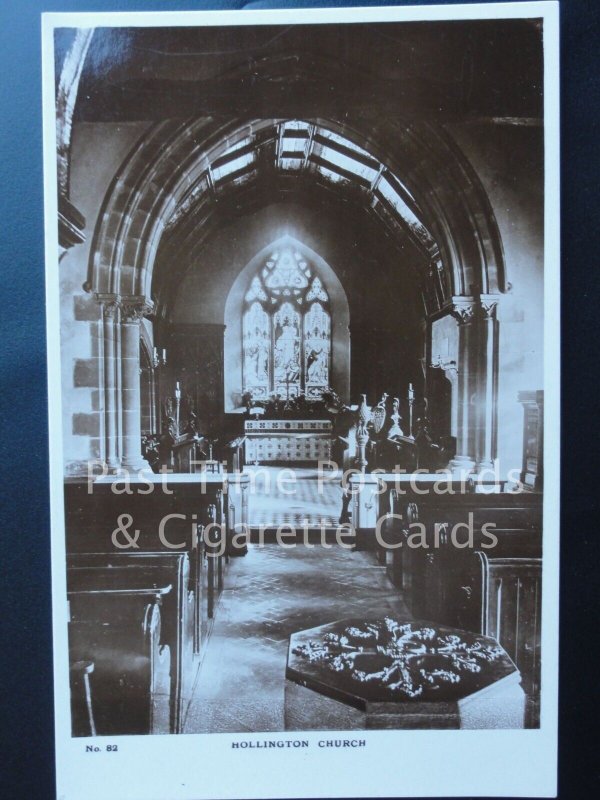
(463,309)
(489,303)
(110,304)
(134,308)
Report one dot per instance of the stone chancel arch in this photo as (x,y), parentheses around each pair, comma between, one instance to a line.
(170,192)
(175,167)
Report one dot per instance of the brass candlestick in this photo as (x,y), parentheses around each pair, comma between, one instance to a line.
(177,406)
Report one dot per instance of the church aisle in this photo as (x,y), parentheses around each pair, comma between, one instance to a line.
(294,496)
(270,593)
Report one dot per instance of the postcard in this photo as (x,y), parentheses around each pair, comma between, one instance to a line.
(303,357)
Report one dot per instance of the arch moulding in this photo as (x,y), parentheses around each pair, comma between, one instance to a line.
(171,158)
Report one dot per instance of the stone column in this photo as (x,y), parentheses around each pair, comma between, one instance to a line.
(132,311)
(463,310)
(452,375)
(487,389)
(110,310)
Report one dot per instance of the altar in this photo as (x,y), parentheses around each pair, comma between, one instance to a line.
(287,440)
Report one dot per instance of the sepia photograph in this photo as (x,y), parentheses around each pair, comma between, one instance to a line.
(299,295)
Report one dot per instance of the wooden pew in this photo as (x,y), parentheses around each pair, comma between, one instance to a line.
(190,503)
(369,497)
(428,575)
(92,511)
(118,571)
(495,591)
(235,454)
(118,631)
(502,598)
(194,571)
(238,490)
(180,453)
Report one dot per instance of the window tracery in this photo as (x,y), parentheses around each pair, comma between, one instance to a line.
(286,324)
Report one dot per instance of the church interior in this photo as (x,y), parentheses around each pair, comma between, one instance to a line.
(301,284)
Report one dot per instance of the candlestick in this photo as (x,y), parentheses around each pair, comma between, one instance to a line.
(411,400)
(177,406)
(159,361)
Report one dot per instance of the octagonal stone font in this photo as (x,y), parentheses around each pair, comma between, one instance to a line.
(392,673)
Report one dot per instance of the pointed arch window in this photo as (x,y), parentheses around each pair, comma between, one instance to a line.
(286,337)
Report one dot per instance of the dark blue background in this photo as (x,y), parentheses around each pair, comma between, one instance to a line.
(27,756)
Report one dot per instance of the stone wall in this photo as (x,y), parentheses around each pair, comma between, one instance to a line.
(97,152)
(509,160)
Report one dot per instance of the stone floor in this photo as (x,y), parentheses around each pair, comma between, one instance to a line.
(269,593)
(286,496)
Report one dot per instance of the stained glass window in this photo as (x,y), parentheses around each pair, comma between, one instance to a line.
(286,350)
(286,329)
(317,337)
(257,351)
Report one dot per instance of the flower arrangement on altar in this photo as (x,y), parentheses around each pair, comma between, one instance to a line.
(294,407)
